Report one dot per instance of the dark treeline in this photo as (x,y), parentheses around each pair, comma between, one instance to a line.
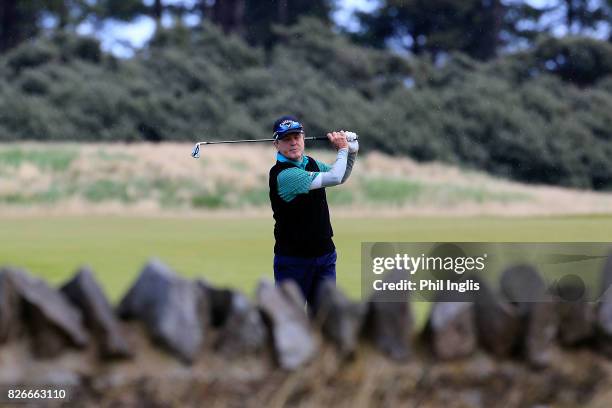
(538,112)
(479,28)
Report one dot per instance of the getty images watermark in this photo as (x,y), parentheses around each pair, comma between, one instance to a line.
(524,272)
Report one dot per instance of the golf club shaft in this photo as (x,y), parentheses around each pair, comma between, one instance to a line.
(255,140)
(196,150)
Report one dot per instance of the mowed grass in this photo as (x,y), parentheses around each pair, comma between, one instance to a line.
(237,252)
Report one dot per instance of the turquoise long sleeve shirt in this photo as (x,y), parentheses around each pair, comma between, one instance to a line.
(296,180)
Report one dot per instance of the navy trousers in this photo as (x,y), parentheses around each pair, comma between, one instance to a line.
(308,273)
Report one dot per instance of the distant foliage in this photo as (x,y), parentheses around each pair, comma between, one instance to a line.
(542,115)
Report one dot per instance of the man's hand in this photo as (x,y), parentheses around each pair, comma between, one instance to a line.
(338,140)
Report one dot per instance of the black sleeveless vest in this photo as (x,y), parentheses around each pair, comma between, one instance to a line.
(302,225)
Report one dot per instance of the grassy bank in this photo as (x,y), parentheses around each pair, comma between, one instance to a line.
(149,179)
(164,175)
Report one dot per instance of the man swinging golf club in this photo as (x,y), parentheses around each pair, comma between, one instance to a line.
(304,251)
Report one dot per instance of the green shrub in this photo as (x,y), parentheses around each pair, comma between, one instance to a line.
(452,194)
(35,83)
(52,195)
(394,191)
(106,190)
(205,200)
(339,196)
(51,159)
(30,56)
(255,197)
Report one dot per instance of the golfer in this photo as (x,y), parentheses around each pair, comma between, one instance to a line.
(304,251)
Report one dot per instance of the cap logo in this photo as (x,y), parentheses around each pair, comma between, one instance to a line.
(286,125)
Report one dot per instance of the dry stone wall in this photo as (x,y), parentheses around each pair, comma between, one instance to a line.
(178,342)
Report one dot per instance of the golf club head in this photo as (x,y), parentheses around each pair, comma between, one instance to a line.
(195,153)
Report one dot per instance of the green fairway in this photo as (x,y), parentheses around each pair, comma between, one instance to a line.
(238,252)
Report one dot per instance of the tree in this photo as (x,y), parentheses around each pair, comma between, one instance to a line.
(581,15)
(24,19)
(576,17)
(253,20)
(262,15)
(14,23)
(477,27)
(130,10)
(229,15)
(19,20)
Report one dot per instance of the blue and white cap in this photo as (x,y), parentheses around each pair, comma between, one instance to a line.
(285,125)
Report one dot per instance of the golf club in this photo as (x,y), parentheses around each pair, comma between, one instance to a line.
(195,153)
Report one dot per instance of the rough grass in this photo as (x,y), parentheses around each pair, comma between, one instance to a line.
(389,190)
(54,159)
(52,174)
(163,178)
